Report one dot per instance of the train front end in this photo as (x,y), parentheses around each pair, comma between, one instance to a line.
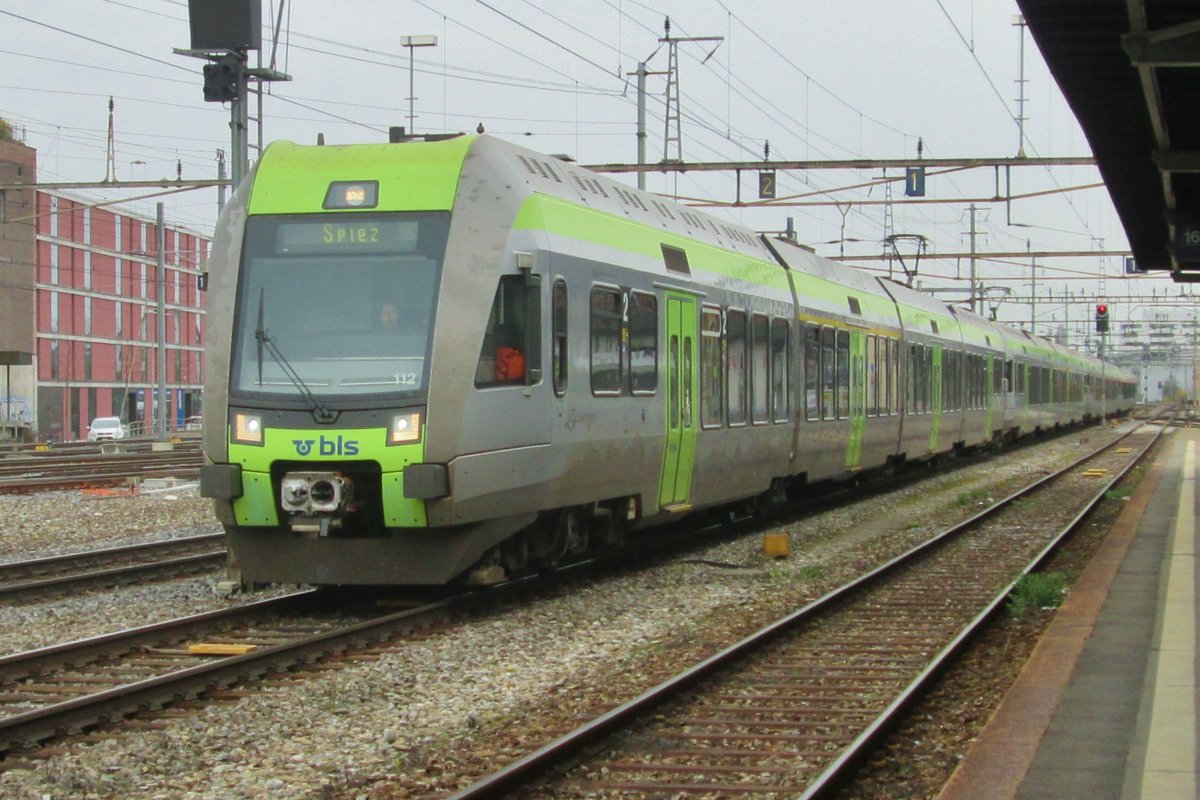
(324,286)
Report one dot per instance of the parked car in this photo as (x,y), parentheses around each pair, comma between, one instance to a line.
(106,428)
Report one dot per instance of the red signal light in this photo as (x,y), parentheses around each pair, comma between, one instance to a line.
(1101,310)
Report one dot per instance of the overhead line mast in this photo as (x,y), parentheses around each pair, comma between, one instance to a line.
(673,113)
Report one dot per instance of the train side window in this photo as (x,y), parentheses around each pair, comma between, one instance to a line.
(896,354)
(910,390)
(828,375)
(711,408)
(643,343)
(882,364)
(927,396)
(760,369)
(687,381)
(843,374)
(511,351)
(558,344)
(956,381)
(872,379)
(735,363)
(949,380)
(968,381)
(978,375)
(927,384)
(975,374)
(893,377)
(605,325)
(987,384)
(779,369)
(812,372)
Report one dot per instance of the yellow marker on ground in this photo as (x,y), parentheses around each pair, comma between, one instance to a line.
(775,545)
(215,649)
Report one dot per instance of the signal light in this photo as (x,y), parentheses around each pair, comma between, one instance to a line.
(222,79)
(1102,318)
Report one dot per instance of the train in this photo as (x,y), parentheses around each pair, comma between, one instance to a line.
(457,360)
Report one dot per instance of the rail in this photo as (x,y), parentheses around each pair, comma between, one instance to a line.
(539,764)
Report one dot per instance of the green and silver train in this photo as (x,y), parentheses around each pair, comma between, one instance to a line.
(459,360)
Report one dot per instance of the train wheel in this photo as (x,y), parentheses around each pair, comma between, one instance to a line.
(488,571)
(609,533)
(514,553)
(573,533)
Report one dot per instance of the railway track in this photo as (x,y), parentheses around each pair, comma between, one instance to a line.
(69,688)
(789,711)
(21,580)
(30,472)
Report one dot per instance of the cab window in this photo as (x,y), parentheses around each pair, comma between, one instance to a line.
(510,354)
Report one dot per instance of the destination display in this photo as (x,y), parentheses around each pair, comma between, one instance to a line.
(351,235)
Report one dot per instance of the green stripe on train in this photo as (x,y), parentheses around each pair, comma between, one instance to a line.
(576,221)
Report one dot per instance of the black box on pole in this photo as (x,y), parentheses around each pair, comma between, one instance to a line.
(225,24)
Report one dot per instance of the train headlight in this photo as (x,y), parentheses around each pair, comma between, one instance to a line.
(352,194)
(405,428)
(247,429)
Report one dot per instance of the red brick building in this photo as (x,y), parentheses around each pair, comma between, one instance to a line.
(97,317)
(95,305)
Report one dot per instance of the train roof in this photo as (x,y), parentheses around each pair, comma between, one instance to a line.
(563,179)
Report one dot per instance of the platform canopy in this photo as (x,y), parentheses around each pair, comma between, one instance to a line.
(1130,69)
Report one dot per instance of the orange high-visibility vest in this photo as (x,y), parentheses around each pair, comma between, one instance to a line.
(510,364)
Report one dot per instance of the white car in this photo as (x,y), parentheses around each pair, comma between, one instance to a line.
(105,428)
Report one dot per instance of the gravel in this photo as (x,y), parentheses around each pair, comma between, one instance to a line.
(434,713)
(54,523)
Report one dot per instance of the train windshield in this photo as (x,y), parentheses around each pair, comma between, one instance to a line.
(342,302)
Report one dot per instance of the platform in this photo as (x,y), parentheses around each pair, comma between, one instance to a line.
(1106,706)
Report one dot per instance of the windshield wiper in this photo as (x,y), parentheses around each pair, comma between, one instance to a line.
(319,411)
(260,334)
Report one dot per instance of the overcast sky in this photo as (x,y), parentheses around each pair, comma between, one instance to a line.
(818,80)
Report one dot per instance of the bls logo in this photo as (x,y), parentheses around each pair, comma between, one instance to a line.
(327,447)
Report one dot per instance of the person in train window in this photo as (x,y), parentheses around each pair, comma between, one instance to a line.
(389,317)
(509,362)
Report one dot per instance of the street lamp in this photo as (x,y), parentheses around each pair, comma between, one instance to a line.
(412,42)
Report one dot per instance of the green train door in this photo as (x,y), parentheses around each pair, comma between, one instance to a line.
(858,398)
(676,483)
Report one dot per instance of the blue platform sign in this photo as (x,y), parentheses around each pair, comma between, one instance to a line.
(914,181)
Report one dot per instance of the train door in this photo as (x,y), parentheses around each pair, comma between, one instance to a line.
(858,398)
(681,350)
